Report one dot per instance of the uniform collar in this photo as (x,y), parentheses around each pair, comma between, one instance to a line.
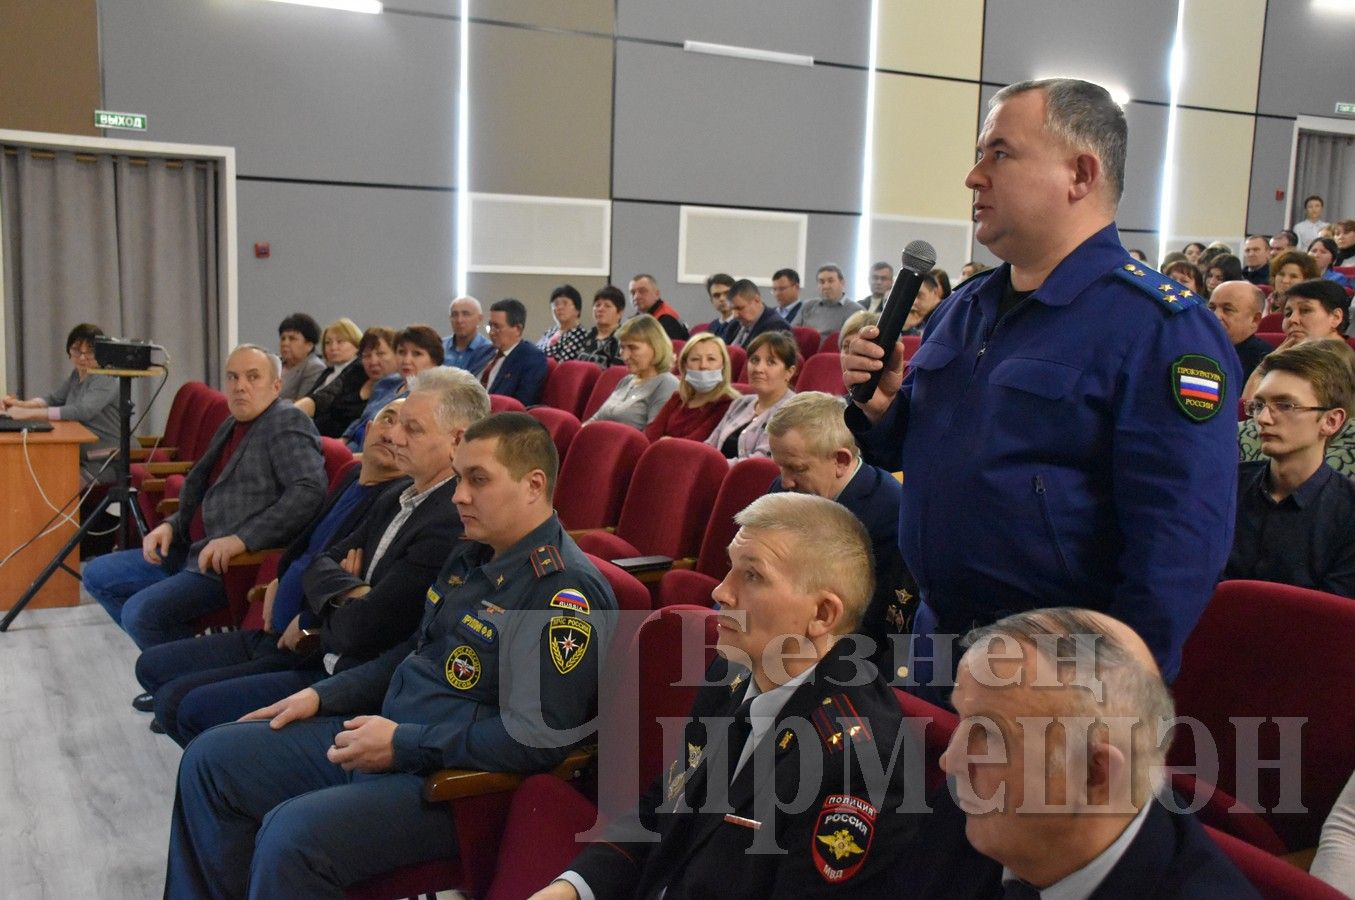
(500,570)
(1093,258)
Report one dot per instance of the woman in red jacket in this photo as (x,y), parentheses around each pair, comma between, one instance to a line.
(703,395)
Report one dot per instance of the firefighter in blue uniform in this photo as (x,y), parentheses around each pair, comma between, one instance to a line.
(1066,430)
(503,665)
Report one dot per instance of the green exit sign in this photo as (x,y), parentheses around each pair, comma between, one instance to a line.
(126,121)
(1345,109)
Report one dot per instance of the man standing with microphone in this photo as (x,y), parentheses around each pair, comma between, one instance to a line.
(1066,431)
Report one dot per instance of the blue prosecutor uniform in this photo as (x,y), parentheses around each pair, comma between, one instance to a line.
(264,811)
(1081,451)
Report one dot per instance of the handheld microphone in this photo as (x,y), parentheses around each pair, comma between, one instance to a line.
(918,259)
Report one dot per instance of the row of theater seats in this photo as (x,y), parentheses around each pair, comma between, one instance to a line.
(625,498)
(522,830)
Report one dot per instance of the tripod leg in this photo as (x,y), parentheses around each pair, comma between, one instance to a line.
(56,563)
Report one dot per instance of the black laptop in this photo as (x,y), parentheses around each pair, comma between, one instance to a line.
(8,424)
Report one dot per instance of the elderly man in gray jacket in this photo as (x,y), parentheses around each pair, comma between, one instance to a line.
(259,483)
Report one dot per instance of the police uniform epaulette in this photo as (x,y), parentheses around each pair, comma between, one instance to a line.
(837,722)
(546,560)
(1172,296)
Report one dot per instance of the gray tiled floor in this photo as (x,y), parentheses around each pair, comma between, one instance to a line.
(85,788)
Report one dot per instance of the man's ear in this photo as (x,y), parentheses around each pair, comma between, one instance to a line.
(843,459)
(828,613)
(1109,776)
(1332,420)
(1086,176)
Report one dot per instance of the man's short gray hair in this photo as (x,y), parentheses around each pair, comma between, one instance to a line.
(462,400)
(274,361)
(1085,117)
(479,310)
(1066,639)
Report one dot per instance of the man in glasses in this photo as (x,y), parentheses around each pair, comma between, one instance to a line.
(1295,514)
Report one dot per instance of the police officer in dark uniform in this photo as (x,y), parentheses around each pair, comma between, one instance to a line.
(1066,431)
(770,796)
(502,669)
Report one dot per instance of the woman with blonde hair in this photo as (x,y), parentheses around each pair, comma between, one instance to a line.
(648,353)
(702,397)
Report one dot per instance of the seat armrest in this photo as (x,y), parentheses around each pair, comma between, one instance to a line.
(453,784)
(141,454)
(148,440)
(153,486)
(252,557)
(161,469)
(167,507)
(576,533)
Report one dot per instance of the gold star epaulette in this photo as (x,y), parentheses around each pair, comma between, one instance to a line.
(546,560)
(1169,294)
(837,722)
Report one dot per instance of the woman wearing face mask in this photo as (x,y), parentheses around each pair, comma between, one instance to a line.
(704,395)
(648,354)
(773,358)
(566,337)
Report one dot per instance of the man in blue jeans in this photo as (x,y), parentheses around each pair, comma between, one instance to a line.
(260,481)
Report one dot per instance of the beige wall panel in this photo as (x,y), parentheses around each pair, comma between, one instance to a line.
(541,108)
(936,37)
(1223,53)
(574,15)
(1213,173)
(49,66)
(534,292)
(924,146)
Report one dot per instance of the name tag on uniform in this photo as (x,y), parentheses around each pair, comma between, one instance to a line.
(478,628)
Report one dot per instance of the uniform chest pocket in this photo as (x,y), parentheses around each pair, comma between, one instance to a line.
(1041,377)
(932,356)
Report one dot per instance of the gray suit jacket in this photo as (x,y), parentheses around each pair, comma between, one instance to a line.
(269,490)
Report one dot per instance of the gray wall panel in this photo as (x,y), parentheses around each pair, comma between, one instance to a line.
(1143,167)
(701,129)
(837,31)
(1271,149)
(1307,66)
(378,256)
(1107,41)
(299,92)
(645,239)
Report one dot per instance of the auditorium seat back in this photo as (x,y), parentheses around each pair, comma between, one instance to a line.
(822,372)
(562,425)
(602,389)
(596,473)
(569,385)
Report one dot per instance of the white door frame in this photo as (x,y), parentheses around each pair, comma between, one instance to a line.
(1310,123)
(227,245)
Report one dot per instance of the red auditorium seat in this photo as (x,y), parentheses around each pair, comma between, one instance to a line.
(808,340)
(1228,674)
(602,389)
(830,343)
(822,372)
(677,351)
(1270,337)
(738,362)
(184,413)
(1273,878)
(546,813)
(747,480)
(1272,323)
(1266,289)
(668,503)
(631,595)
(569,385)
(910,344)
(502,403)
(699,327)
(562,426)
(935,736)
(145,476)
(596,473)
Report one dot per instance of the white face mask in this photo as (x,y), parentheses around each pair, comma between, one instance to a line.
(702,381)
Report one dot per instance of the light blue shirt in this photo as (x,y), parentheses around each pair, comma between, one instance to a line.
(473,358)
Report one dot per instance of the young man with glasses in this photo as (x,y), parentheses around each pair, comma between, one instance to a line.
(1295,514)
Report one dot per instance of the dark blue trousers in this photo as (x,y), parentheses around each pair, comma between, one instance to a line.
(263,814)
